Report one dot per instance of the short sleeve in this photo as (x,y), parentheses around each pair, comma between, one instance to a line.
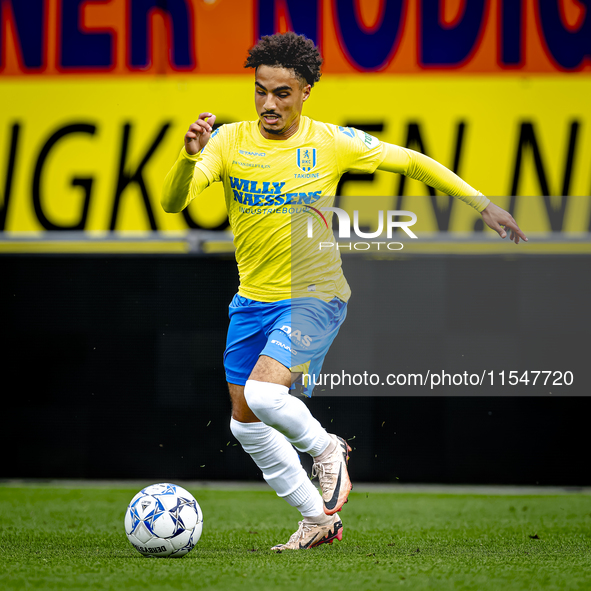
(210,160)
(357,151)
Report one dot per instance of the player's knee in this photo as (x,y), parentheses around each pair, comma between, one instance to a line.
(240,430)
(255,398)
(263,398)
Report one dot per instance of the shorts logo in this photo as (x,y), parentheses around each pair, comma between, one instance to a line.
(303,340)
(306,159)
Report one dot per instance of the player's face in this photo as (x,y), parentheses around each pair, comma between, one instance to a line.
(279,98)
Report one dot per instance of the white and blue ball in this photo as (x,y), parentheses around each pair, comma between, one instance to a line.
(163,520)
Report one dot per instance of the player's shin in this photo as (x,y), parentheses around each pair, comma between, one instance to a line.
(280,465)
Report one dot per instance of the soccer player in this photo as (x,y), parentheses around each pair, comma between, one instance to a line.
(281,163)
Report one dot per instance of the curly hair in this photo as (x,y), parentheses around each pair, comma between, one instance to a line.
(287,50)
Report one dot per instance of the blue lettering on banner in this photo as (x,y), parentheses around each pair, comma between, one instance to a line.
(81,49)
(440,44)
(443,45)
(28,19)
(568,48)
(511,37)
(182,40)
(82,45)
(304,16)
(369,50)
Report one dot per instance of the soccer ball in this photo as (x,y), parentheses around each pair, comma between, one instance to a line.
(163,520)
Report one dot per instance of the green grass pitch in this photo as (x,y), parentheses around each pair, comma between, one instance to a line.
(59,538)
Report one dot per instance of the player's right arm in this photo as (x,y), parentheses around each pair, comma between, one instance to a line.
(185,179)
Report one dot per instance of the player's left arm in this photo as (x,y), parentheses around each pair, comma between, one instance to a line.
(422,168)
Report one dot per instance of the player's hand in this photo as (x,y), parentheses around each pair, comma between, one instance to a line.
(499,220)
(199,133)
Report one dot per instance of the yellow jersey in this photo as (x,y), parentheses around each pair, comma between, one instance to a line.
(272,188)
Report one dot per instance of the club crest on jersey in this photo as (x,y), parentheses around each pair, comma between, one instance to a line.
(306,159)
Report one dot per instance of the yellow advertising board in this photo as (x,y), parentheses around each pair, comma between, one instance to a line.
(91,154)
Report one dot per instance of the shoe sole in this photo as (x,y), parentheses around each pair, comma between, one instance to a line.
(346,489)
(337,536)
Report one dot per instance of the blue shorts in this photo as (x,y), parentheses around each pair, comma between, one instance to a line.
(296,332)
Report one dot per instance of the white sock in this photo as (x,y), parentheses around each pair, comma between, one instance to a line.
(272,404)
(332,444)
(280,465)
(306,499)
